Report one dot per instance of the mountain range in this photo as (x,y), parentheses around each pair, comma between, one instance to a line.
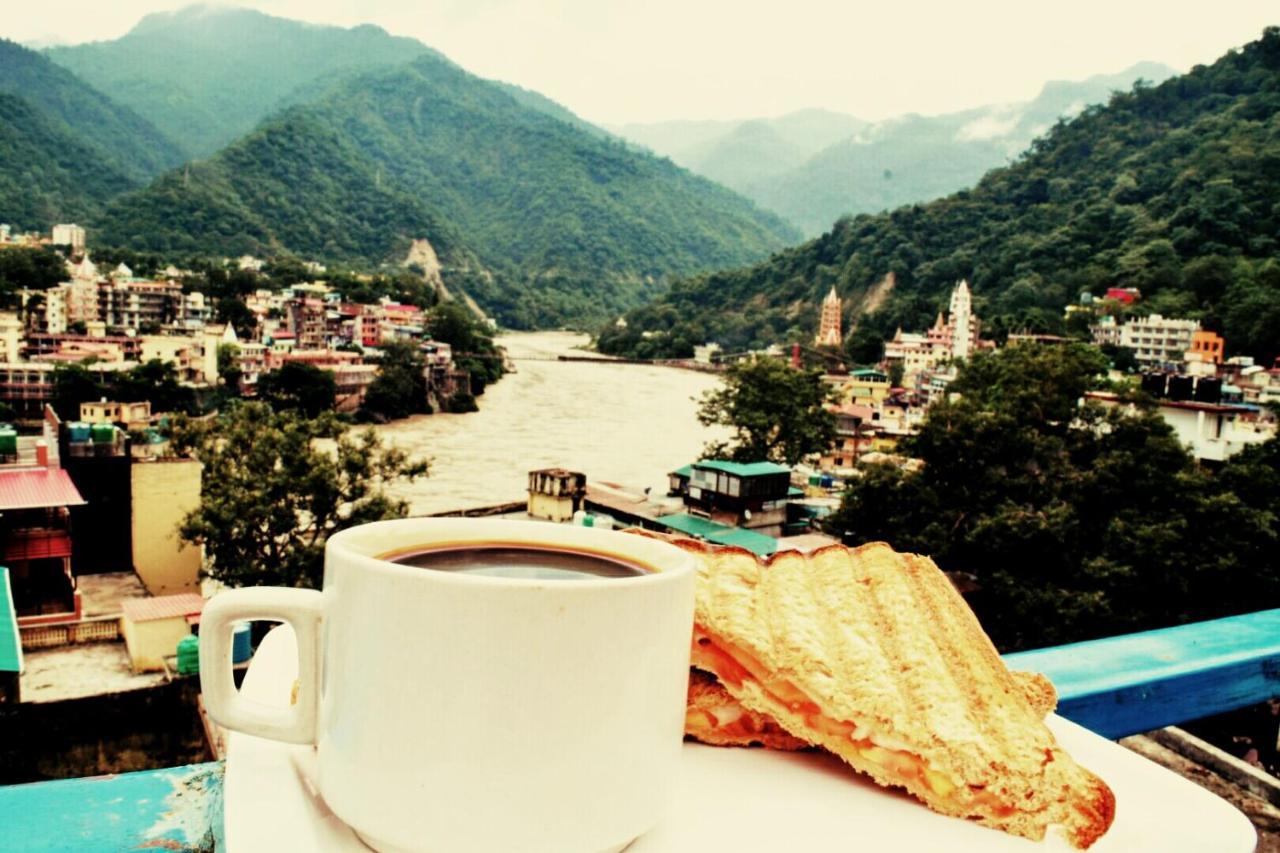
(814,166)
(1170,189)
(351,145)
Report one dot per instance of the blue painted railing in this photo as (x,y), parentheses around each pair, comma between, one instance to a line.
(1115,686)
(1134,683)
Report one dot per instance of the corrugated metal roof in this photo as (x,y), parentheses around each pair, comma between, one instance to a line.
(162,607)
(692,524)
(37,488)
(743,469)
(756,543)
(720,534)
(10,639)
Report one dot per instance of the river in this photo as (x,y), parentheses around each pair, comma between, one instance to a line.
(627,424)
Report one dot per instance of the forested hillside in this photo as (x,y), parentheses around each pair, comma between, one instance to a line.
(1171,189)
(65,148)
(47,175)
(567,226)
(207,75)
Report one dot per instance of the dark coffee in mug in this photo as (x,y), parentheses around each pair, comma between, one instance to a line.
(517,561)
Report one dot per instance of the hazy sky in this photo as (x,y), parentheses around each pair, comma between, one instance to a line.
(615,61)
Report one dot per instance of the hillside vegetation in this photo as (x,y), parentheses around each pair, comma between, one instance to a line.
(1171,189)
(47,175)
(564,226)
(207,75)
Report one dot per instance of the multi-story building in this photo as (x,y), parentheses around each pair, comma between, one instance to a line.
(28,386)
(753,495)
(1207,346)
(69,235)
(128,304)
(10,337)
(1155,340)
(40,344)
(195,311)
(307,317)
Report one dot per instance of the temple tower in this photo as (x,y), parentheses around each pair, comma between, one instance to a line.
(829,326)
(961,320)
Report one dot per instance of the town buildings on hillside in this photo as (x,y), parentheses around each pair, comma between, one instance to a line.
(113,320)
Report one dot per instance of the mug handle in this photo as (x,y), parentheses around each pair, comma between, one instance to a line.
(301,608)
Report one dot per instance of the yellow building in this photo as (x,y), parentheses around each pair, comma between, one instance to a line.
(865,388)
(556,494)
(133,415)
(164,490)
(152,627)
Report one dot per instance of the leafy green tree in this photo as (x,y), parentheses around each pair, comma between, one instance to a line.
(776,413)
(304,388)
(865,346)
(156,382)
(473,346)
(74,384)
(230,374)
(32,269)
(270,497)
(1077,521)
(400,388)
(232,310)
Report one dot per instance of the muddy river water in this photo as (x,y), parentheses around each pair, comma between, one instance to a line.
(628,424)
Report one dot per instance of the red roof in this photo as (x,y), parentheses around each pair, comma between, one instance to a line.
(162,607)
(37,488)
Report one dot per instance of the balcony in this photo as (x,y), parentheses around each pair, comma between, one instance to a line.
(1116,686)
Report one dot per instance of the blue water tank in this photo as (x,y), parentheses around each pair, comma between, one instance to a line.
(241,649)
(78,431)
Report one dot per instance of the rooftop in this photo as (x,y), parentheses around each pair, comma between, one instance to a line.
(37,488)
(721,534)
(162,607)
(80,670)
(743,469)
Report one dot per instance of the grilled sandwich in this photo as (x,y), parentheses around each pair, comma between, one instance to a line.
(714,717)
(873,656)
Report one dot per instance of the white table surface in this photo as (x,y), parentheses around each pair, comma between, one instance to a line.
(732,799)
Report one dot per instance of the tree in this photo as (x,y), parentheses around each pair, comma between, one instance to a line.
(1077,521)
(270,497)
(230,374)
(74,384)
(156,382)
(473,347)
(400,388)
(865,346)
(30,269)
(304,388)
(776,413)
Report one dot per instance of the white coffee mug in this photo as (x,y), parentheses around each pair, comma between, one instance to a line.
(454,712)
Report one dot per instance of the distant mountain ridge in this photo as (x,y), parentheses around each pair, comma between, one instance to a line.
(873,167)
(1170,188)
(539,220)
(124,140)
(207,75)
(66,148)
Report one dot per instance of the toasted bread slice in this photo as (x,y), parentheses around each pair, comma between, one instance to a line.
(873,656)
(714,717)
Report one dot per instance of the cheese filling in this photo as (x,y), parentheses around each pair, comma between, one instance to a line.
(734,666)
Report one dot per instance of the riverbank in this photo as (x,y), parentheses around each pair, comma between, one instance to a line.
(623,423)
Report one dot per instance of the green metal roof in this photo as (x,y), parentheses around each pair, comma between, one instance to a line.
(692,524)
(720,534)
(867,373)
(683,471)
(756,543)
(10,639)
(743,469)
